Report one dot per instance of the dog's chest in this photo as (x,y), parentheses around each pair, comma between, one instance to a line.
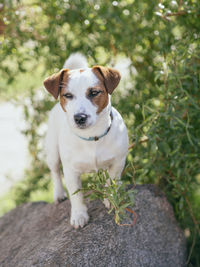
(88,157)
(94,159)
(93,165)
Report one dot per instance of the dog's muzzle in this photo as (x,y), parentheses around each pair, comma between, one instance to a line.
(80,119)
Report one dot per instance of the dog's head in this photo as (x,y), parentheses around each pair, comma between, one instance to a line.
(84,93)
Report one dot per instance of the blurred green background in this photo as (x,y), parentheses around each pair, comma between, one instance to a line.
(156,44)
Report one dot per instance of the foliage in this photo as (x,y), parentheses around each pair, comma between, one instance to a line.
(100,186)
(159,99)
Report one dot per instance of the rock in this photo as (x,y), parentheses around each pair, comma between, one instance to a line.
(39,234)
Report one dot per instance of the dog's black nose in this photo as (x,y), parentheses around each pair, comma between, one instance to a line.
(80,118)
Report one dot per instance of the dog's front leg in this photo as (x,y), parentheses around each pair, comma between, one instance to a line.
(79,215)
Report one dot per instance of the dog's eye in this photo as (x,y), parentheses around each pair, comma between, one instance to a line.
(94,93)
(68,95)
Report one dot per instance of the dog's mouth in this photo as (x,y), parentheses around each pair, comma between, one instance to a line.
(83,126)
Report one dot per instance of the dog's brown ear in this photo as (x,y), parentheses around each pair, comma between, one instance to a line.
(53,83)
(109,76)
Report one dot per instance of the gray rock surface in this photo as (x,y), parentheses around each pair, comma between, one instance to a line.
(39,234)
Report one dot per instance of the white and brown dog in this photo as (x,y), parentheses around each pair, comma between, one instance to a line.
(85,132)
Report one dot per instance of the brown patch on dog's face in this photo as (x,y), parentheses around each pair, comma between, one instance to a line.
(63,92)
(63,99)
(108,81)
(98,96)
(54,83)
(109,76)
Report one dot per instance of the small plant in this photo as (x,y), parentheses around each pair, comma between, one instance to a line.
(100,186)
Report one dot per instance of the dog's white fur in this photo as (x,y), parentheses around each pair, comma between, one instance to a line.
(76,61)
(77,155)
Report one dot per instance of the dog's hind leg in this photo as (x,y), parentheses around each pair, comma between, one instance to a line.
(54,165)
(53,161)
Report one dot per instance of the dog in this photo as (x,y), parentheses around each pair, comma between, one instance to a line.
(85,133)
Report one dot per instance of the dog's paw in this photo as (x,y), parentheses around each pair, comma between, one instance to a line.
(79,218)
(106,203)
(59,196)
(59,200)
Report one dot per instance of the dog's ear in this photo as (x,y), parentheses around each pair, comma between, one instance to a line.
(54,83)
(109,76)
